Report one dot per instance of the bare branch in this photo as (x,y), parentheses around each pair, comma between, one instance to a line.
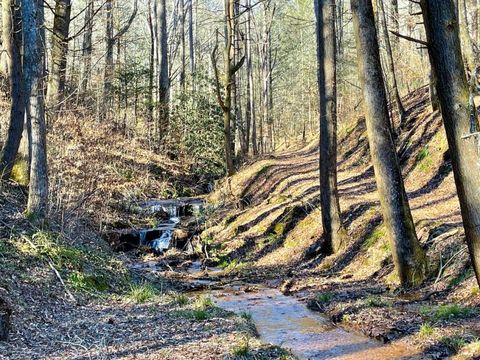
(408,38)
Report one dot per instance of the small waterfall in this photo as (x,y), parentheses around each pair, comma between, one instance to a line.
(161,237)
(143,236)
(163,242)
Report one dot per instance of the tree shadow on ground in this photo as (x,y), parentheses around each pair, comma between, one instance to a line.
(434,183)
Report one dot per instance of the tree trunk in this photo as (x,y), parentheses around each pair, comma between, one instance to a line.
(467,43)
(227,113)
(183,57)
(12,44)
(408,256)
(250,109)
(391,64)
(107,101)
(58,58)
(432,88)
(163,80)
(453,93)
(475,4)
(191,45)
(87,48)
(34,74)
(266,67)
(151,69)
(333,231)
(394,24)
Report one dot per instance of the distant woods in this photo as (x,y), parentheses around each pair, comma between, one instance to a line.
(216,83)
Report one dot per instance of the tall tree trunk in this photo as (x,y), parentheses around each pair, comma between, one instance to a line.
(151,69)
(408,256)
(183,57)
(266,68)
(468,49)
(333,231)
(394,24)
(475,19)
(87,48)
(339,28)
(163,80)
(58,59)
(228,58)
(453,93)
(391,64)
(230,68)
(250,108)
(34,74)
(12,44)
(191,45)
(107,101)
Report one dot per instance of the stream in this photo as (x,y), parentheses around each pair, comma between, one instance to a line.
(280,320)
(285,321)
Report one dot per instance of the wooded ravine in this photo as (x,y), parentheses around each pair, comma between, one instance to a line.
(240,179)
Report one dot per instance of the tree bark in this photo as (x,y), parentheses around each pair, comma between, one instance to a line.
(230,68)
(163,80)
(453,92)
(183,57)
(151,69)
(391,64)
(468,48)
(12,44)
(87,48)
(333,231)
(34,74)
(250,108)
(58,57)
(191,45)
(394,23)
(408,256)
(228,58)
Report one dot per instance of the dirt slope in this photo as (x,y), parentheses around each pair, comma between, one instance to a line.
(267,224)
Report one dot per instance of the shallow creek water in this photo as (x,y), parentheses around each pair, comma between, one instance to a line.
(285,321)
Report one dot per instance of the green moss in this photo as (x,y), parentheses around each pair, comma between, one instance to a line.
(88,283)
(378,233)
(376,301)
(279,228)
(20,172)
(423,154)
(461,278)
(426,330)
(246,315)
(323,297)
(424,160)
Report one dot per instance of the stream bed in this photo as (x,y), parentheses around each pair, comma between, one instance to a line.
(287,322)
(280,320)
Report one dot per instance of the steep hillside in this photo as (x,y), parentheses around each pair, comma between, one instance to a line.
(267,224)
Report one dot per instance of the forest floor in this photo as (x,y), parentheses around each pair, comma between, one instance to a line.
(263,227)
